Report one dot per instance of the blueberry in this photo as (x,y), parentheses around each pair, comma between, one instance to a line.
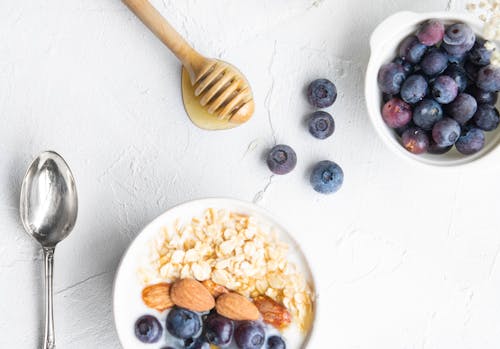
(457,73)
(412,50)
(281,159)
(444,89)
(414,89)
(396,113)
(407,66)
(486,117)
(249,335)
(431,32)
(462,108)
(427,113)
(321,93)
(327,177)
(471,70)
(401,130)
(415,140)
(471,141)
(196,343)
(483,97)
(321,125)
(183,323)
(434,62)
(387,97)
(436,149)
(391,77)
(218,330)
(275,342)
(488,78)
(480,55)
(446,132)
(457,59)
(148,329)
(459,34)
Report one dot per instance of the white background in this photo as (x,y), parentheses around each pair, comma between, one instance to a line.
(405,256)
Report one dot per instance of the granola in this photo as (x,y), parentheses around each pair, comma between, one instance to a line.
(231,250)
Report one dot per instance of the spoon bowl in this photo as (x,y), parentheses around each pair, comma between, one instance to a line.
(49,204)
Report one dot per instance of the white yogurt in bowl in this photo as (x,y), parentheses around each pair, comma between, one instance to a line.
(131,278)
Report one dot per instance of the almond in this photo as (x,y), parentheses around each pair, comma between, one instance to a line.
(272,312)
(236,307)
(192,295)
(214,289)
(157,297)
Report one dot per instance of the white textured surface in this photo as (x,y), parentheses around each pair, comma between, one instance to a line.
(406,257)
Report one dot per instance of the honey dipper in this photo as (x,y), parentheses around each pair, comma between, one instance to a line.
(219,88)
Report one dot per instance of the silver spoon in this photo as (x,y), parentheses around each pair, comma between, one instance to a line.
(49,206)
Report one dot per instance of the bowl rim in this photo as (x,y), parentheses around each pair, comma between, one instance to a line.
(224,201)
(375,115)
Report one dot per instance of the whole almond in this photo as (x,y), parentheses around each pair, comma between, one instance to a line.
(157,297)
(214,289)
(192,295)
(236,307)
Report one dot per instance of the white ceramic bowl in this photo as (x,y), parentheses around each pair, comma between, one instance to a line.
(127,302)
(384,43)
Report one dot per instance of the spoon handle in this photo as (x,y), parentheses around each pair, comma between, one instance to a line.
(49,341)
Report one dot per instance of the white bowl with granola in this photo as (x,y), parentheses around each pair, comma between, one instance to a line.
(214,273)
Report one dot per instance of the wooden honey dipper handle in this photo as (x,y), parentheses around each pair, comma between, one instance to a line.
(166,33)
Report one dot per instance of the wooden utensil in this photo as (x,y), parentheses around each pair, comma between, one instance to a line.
(220,88)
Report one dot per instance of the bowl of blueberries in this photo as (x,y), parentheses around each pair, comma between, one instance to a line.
(432,86)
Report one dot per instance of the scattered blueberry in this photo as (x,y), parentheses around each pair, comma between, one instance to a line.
(446,132)
(434,62)
(148,329)
(249,335)
(431,32)
(321,93)
(462,108)
(444,89)
(183,323)
(412,50)
(415,140)
(275,342)
(327,177)
(471,141)
(458,74)
(427,113)
(414,89)
(391,77)
(218,330)
(486,117)
(281,159)
(396,113)
(480,55)
(488,78)
(483,97)
(321,125)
